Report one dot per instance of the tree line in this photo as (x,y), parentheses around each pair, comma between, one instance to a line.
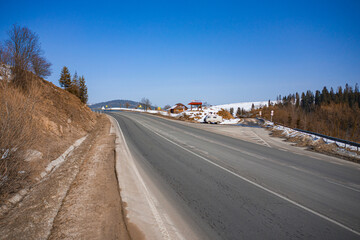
(310,101)
(75,85)
(329,112)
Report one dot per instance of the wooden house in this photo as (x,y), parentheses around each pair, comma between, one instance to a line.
(178,108)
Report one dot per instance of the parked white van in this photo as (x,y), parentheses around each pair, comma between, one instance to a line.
(213,118)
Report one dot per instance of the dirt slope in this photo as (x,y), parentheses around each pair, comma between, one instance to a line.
(79,197)
(61,119)
(80,200)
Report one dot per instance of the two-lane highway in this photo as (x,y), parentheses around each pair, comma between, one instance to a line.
(234,189)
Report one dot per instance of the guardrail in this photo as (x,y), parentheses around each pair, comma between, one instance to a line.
(355,144)
(346,142)
(97,110)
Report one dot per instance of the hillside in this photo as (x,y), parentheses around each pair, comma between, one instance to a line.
(37,125)
(56,156)
(115,103)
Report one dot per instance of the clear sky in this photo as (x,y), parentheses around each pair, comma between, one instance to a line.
(216,51)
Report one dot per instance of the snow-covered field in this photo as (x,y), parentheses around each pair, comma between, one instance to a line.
(245,105)
(200,115)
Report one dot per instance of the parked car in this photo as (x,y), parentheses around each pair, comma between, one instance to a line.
(213,118)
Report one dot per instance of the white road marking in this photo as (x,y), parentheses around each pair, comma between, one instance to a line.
(151,201)
(262,140)
(206,139)
(251,154)
(351,188)
(262,187)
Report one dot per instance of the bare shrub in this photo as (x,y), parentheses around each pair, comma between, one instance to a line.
(146,103)
(225,114)
(184,117)
(17,134)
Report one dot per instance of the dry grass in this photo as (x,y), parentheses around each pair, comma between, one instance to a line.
(225,114)
(44,120)
(17,134)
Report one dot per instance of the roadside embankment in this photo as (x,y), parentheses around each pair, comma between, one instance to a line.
(78,200)
(57,167)
(37,126)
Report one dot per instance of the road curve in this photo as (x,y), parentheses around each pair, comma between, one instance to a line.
(232,189)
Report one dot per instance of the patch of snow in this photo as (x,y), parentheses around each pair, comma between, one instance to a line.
(245,105)
(230,121)
(32,155)
(5,72)
(289,132)
(17,197)
(5,154)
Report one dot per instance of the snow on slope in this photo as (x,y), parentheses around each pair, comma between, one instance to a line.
(245,105)
(5,72)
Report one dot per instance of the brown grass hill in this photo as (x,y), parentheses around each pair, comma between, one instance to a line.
(36,127)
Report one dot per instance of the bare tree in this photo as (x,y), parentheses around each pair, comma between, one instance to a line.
(127,104)
(24,55)
(40,66)
(167,107)
(146,103)
(4,54)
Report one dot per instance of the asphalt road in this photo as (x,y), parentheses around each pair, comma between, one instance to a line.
(232,189)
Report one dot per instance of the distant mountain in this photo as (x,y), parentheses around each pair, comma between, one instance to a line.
(115,103)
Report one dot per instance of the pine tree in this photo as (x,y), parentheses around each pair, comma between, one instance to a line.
(340,95)
(83,90)
(238,112)
(232,111)
(317,98)
(309,101)
(346,94)
(297,102)
(332,95)
(357,94)
(303,101)
(74,89)
(325,96)
(65,78)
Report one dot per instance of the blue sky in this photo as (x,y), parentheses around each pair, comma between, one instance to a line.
(175,51)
